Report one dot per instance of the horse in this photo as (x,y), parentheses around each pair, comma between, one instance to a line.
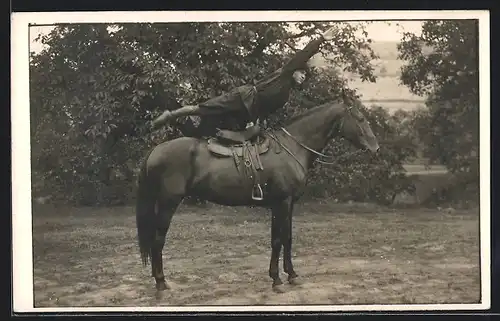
(188,166)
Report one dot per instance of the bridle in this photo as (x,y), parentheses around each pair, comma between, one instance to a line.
(339,128)
(310,149)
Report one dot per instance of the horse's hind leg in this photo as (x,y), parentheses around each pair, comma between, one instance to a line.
(276,244)
(166,209)
(286,236)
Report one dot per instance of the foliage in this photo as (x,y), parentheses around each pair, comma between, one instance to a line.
(442,64)
(95,86)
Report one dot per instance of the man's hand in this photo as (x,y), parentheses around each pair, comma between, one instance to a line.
(330,33)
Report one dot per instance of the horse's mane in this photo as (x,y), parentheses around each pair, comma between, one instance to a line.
(308,112)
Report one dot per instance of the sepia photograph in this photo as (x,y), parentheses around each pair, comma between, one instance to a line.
(250,161)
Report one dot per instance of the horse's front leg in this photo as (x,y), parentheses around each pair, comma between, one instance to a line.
(286,236)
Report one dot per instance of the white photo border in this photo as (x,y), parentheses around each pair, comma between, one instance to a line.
(21,174)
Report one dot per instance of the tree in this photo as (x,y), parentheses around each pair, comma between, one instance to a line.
(449,77)
(443,65)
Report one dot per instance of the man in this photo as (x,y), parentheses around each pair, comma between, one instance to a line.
(249,103)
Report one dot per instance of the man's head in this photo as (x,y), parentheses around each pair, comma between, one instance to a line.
(299,76)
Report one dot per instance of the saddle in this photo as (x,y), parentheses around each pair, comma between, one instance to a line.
(239,136)
(245,148)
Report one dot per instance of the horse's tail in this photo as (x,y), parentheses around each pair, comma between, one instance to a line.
(145,212)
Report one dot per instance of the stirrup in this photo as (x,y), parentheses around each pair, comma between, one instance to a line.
(255,197)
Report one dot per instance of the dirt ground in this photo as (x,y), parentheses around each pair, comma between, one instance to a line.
(220,256)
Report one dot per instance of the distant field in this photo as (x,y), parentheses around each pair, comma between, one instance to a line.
(384,88)
(388,86)
(393,106)
(345,254)
(386,49)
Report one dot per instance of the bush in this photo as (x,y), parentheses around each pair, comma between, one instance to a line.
(454,190)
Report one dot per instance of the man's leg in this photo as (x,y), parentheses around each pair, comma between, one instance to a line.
(223,104)
(169,115)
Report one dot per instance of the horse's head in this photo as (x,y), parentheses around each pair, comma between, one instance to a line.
(356,129)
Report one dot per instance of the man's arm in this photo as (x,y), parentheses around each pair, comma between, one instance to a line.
(301,57)
(295,63)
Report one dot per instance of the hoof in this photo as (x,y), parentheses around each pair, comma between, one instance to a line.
(160,295)
(160,290)
(279,288)
(295,281)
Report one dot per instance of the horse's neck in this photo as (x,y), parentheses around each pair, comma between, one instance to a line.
(314,129)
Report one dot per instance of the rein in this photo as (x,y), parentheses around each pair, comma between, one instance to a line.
(310,149)
(287,150)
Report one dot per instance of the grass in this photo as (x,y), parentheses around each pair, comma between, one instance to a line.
(414,169)
(346,254)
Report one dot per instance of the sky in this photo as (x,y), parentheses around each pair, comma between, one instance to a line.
(378,31)
(381,31)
